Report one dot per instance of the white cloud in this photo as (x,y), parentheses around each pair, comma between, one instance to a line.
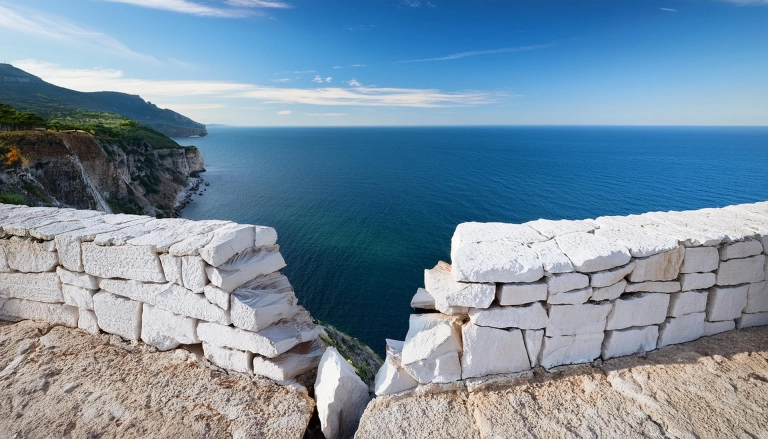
(668,9)
(284,112)
(259,4)
(328,79)
(299,72)
(358,65)
(33,23)
(325,114)
(236,9)
(338,67)
(353,83)
(282,80)
(317,79)
(747,2)
(479,52)
(157,90)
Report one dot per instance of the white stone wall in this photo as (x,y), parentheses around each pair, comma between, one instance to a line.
(551,293)
(167,282)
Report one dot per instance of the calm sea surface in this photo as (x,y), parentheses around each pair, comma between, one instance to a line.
(361,212)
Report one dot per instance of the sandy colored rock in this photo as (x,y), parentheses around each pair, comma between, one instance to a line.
(739,271)
(29,256)
(448,293)
(495,261)
(610,292)
(552,258)
(700,260)
(590,253)
(521,294)
(602,279)
(126,262)
(660,267)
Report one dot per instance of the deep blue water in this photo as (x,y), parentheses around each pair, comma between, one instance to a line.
(360,212)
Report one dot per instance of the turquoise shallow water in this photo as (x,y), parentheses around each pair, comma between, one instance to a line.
(360,212)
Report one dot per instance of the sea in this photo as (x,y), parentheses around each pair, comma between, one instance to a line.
(361,212)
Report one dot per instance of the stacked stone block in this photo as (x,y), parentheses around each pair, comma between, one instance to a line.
(166,282)
(552,293)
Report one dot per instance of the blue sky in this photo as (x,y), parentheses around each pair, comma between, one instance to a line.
(407,62)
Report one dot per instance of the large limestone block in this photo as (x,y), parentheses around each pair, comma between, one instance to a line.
(263,301)
(687,302)
(88,321)
(757,298)
(118,315)
(607,278)
(56,313)
(560,283)
(302,358)
(570,297)
(571,349)
(629,341)
(230,359)
(696,281)
(653,287)
(640,242)
(495,261)
(490,351)
(49,232)
(263,235)
(552,258)
(532,316)
(430,335)
(77,296)
(533,339)
(391,377)
(521,294)
(739,250)
(193,273)
(610,292)
(577,319)
(712,328)
(121,236)
(440,285)
(552,228)
(29,256)
(226,242)
(270,342)
(190,246)
(125,262)
(590,253)
(166,330)
(443,368)
(681,329)
(700,260)
(422,300)
(69,245)
(750,320)
(245,266)
(82,280)
(139,291)
(172,268)
(472,233)
(217,296)
(638,310)
(39,287)
(180,300)
(726,303)
(661,267)
(167,233)
(4,268)
(740,271)
(340,394)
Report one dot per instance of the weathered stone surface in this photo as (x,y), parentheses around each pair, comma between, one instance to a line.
(217,296)
(448,292)
(121,236)
(39,287)
(640,243)
(190,246)
(489,351)
(495,261)
(739,271)
(139,291)
(560,283)
(49,231)
(552,228)
(391,377)
(653,287)
(230,359)
(757,297)
(302,358)
(340,394)
(742,249)
(429,335)
(166,330)
(263,301)
(88,322)
(532,316)
(590,253)
(77,296)
(118,315)
(750,320)
(533,339)
(681,329)
(726,303)
(180,300)
(422,300)
(577,319)
(226,242)
(712,328)
(245,266)
(82,280)
(443,368)
(607,278)
(552,258)
(700,260)
(661,267)
(68,245)
(687,302)
(610,292)
(172,268)
(166,234)
(126,262)
(472,233)
(193,273)
(570,349)
(4,268)
(638,310)
(696,281)
(629,341)
(55,313)
(264,236)
(570,297)
(521,294)
(28,256)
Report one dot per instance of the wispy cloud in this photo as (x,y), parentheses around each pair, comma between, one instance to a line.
(747,2)
(282,80)
(479,52)
(299,72)
(354,83)
(259,4)
(325,114)
(31,22)
(358,65)
(284,112)
(317,78)
(418,3)
(363,96)
(233,9)
(668,9)
(338,67)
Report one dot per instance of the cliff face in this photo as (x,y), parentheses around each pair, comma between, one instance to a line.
(75,169)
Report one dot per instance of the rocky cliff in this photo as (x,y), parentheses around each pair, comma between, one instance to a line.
(78,170)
